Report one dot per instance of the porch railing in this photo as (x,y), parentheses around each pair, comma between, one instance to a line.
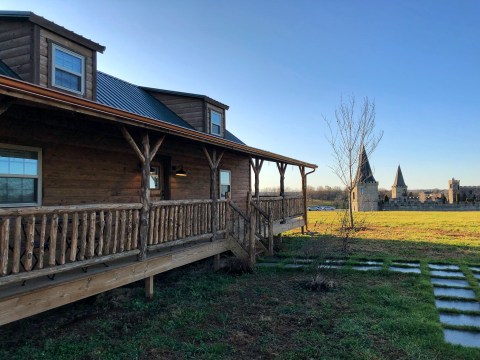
(177,221)
(282,208)
(51,239)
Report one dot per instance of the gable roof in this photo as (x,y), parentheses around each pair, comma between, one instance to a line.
(197,96)
(49,25)
(399,179)
(364,171)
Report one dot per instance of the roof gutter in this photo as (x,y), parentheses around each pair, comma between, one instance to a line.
(23,90)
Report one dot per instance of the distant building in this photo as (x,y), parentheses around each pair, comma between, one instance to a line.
(457,193)
(365,193)
(399,188)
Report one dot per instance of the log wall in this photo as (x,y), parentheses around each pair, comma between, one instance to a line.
(16,47)
(86,162)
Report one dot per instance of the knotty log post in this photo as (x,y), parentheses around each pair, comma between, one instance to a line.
(213,162)
(270,233)
(251,245)
(146,158)
(149,287)
(281,169)
(304,193)
(257,167)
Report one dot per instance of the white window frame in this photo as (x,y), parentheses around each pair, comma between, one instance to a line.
(38,176)
(55,67)
(211,122)
(220,182)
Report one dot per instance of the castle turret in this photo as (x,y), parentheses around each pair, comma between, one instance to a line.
(453,190)
(399,188)
(365,193)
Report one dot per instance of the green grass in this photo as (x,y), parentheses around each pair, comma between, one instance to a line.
(199,314)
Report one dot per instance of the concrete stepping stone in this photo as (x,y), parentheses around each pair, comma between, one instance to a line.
(407,270)
(475,268)
(408,264)
(476,276)
(462,337)
(366,267)
(443,267)
(368,262)
(460,319)
(330,266)
(450,282)
(443,273)
(458,293)
(335,261)
(457,305)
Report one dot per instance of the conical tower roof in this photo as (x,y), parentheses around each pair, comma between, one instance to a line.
(364,171)
(399,178)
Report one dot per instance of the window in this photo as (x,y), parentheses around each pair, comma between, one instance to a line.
(225,184)
(155,178)
(20,174)
(215,123)
(67,69)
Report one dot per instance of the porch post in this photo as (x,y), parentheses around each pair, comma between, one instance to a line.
(257,167)
(146,158)
(304,193)
(213,162)
(281,169)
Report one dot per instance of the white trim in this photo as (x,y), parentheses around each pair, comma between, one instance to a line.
(38,176)
(55,66)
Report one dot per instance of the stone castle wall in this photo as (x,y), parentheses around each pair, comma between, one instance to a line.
(365,197)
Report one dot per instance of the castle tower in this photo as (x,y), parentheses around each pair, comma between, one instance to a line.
(399,188)
(453,190)
(365,193)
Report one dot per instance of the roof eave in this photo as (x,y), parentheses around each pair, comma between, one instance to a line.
(37,94)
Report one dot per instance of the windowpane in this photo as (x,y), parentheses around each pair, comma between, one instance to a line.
(18,190)
(215,122)
(224,183)
(68,61)
(17,162)
(67,80)
(155,178)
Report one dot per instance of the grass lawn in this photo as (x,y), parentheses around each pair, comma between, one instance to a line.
(270,314)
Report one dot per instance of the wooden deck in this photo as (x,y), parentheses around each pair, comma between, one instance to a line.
(52,256)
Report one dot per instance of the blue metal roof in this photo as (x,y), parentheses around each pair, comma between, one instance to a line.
(122,95)
(5,70)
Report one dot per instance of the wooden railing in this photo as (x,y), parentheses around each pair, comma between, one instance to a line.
(47,240)
(178,221)
(238,225)
(282,208)
(263,226)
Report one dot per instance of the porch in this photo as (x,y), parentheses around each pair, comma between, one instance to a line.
(54,255)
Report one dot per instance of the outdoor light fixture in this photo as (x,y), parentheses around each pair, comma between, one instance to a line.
(181,172)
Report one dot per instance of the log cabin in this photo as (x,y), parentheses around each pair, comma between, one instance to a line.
(103,183)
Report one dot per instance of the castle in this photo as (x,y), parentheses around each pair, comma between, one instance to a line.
(365,195)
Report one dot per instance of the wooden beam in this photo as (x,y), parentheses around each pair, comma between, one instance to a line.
(304,175)
(207,155)
(149,287)
(257,167)
(156,147)
(31,300)
(282,167)
(132,143)
(213,162)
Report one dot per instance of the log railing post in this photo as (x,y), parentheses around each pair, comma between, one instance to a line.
(251,247)
(270,233)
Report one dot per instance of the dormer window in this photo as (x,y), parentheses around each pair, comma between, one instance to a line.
(215,123)
(68,70)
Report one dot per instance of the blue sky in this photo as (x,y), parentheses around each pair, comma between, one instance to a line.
(282,65)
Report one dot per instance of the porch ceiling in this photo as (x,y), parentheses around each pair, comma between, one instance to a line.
(39,95)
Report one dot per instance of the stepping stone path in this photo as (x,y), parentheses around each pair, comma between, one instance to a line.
(453,292)
(451,289)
